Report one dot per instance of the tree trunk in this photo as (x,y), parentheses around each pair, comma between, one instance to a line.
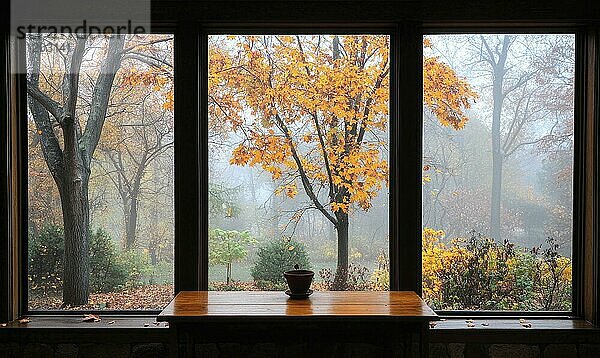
(74,199)
(497,158)
(499,71)
(73,189)
(131,222)
(341,275)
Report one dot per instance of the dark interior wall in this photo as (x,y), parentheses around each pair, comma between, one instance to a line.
(137,342)
(153,342)
(374,11)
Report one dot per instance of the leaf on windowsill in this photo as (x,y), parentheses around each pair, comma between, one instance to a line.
(146,324)
(111,322)
(91,318)
(24,320)
(2,324)
(523,322)
(470,325)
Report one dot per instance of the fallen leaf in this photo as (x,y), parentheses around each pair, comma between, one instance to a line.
(526,325)
(91,318)
(485,324)
(2,324)
(111,322)
(469,321)
(432,324)
(470,324)
(522,320)
(146,325)
(24,320)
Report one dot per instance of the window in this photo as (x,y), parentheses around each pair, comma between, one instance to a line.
(243,185)
(100,171)
(497,203)
(298,160)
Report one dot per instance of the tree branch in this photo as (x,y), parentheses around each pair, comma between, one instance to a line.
(101,95)
(304,178)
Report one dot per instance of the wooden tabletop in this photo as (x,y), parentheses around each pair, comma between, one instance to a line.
(204,306)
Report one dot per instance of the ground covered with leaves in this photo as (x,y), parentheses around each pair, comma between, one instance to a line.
(147,297)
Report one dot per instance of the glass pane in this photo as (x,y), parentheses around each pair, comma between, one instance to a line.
(298,160)
(100,187)
(498,171)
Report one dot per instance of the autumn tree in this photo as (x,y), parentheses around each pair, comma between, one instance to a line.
(69,90)
(314,110)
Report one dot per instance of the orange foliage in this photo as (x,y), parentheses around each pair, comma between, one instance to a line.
(310,106)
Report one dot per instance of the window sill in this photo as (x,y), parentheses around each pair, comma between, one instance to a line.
(493,323)
(75,322)
(488,330)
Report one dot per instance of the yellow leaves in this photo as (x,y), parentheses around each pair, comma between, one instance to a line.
(339,206)
(169,103)
(445,94)
(426,42)
(270,80)
(289,190)
(240,155)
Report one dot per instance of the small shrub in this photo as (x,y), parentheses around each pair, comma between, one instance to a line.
(46,254)
(137,267)
(228,246)
(274,258)
(380,278)
(480,273)
(106,274)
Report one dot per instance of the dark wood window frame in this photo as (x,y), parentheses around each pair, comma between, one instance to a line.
(191,169)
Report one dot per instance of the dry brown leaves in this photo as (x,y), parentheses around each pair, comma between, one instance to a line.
(149,297)
(91,318)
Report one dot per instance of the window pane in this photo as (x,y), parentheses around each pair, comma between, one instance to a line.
(298,160)
(100,187)
(498,171)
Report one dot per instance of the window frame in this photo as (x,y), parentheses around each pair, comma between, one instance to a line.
(191,205)
(22,155)
(289,29)
(579,157)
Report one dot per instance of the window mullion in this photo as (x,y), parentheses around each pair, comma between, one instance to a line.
(188,221)
(406,161)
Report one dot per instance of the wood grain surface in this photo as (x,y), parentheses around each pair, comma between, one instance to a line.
(397,305)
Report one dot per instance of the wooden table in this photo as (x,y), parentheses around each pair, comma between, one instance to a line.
(397,321)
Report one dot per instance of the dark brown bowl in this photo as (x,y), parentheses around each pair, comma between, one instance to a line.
(299,280)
